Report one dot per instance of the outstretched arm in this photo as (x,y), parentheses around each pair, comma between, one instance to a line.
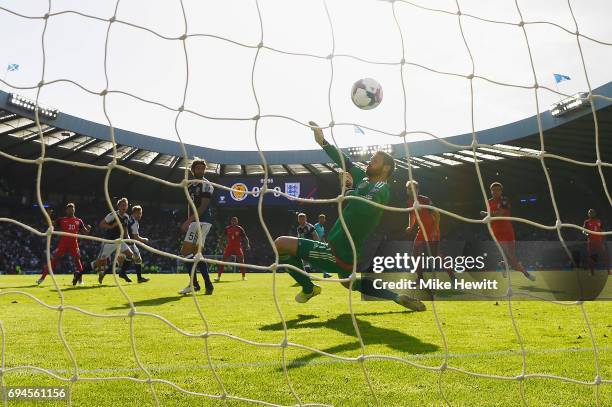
(336,155)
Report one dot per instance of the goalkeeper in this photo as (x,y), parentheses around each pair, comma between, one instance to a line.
(336,255)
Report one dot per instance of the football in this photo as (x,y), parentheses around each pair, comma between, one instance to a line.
(366,93)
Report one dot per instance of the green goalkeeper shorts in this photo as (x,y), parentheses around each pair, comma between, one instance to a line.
(320,256)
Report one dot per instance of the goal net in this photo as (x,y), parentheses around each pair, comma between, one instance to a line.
(456,21)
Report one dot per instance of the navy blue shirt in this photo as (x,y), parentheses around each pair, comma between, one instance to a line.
(306,231)
(199,191)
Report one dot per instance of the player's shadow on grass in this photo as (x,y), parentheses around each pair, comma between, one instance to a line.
(149,303)
(539,290)
(18,286)
(79,287)
(371,334)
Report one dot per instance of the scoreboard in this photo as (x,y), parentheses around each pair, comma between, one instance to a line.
(246,190)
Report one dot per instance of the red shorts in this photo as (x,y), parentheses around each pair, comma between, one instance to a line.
(65,247)
(233,250)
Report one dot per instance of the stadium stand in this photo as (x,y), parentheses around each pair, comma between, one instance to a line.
(445,174)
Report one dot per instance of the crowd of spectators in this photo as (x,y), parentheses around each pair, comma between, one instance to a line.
(23,251)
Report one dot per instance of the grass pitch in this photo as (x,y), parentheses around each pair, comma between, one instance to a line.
(479,335)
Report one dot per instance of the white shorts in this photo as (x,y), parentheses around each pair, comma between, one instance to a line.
(108,250)
(192,233)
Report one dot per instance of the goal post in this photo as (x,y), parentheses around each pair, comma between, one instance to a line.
(476,149)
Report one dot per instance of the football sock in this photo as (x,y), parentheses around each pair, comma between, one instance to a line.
(138,269)
(301,279)
(203,268)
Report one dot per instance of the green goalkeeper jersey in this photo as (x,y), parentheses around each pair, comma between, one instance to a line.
(361,217)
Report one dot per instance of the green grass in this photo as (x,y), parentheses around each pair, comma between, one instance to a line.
(479,335)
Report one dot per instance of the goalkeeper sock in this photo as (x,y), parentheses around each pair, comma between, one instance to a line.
(301,279)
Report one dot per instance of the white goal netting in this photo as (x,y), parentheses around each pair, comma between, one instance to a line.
(517,22)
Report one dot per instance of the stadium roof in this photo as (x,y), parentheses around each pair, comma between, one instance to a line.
(70,138)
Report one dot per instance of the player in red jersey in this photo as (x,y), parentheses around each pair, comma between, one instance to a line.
(427,239)
(234,233)
(499,205)
(429,219)
(596,244)
(68,244)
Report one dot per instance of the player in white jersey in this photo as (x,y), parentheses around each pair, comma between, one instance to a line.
(200,191)
(134,229)
(111,229)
